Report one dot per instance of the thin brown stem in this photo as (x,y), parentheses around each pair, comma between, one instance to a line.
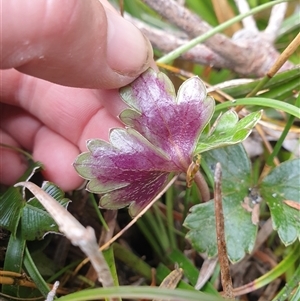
(222,252)
(284,56)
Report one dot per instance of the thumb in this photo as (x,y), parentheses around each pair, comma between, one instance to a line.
(74,43)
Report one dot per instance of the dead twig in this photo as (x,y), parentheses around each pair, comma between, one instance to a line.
(249,52)
(275,21)
(249,22)
(206,272)
(222,252)
(52,293)
(110,217)
(192,25)
(284,56)
(79,236)
(167,41)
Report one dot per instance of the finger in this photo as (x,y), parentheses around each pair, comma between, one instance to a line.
(55,152)
(71,116)
(74,43)
(76,114)
(57,155)
(20,125)
(12,164)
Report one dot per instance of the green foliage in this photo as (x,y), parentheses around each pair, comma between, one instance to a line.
(239,231)
(281,184)
(33,220)
(281,85)
(228,131)
(26,219)
(203,9)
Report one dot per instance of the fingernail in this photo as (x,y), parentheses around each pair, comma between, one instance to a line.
(129,52)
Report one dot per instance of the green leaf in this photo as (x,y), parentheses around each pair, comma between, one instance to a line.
(263,102)
(12,202)
(14,256)
(228,131)
(283,183)
(11,206)
(110,259)
(36,221)
(34,274)
(240,232)
(139,292)
(281,80)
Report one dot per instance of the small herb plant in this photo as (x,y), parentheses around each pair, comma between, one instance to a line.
(164,135)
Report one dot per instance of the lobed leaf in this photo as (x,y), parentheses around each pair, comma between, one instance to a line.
(282,184)
(160,137)
(240,232)
(229,130)
(172,124)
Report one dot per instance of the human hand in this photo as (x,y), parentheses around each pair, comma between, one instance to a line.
(64,64)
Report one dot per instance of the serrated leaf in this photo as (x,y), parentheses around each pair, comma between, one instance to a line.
(36,221)
(11,205)
(229,131)
(240,232)
(160,138)
(31,170)
(283,183)
(12,202)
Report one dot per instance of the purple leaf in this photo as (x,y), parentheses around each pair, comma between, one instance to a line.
(159,139)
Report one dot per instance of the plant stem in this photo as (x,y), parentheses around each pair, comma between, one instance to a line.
(277,65)
(177,52)
(267,278)
(283,135)
(202,186)
(222,251)
(287,289)
(98,212)
(170,218)
(17,149)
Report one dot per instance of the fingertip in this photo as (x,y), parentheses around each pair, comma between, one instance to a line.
(12,163)
(57,156)
(129,52)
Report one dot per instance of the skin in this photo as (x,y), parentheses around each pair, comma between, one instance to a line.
(61,67)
